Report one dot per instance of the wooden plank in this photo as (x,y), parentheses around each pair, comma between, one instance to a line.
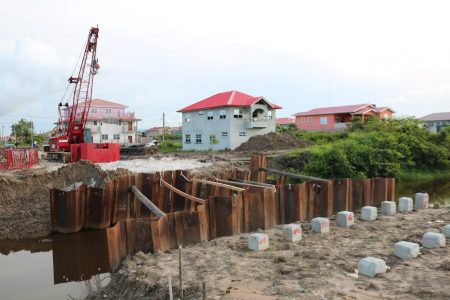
(341,188)
(379,190)
(185,195)
(390,189)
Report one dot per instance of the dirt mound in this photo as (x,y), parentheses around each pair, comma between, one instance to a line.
(272,141)
(25,198)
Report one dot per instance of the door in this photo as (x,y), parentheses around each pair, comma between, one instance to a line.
(130,126)
(130,139)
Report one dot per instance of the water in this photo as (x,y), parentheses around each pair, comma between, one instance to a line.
(61,267)
(438,189)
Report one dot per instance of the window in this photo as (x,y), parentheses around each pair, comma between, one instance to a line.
(210,115)
(108,111)
(237,113)
(95,123)
(93,110)
(269,115)
(187,118)
(116,137)
(225,134)
(223,114)
(323,120)
(104,137)
(309,119)
(198,138)
(302,120)
(242,133)
(187,139)
(118,113)
(201,113)
(212,139)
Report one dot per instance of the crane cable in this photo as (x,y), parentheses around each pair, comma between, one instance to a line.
(73,71)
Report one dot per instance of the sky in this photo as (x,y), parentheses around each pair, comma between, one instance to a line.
(160,56)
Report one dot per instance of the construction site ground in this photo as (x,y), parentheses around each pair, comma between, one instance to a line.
(321,266)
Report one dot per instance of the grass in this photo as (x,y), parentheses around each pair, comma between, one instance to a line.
(424,175)
(170,147)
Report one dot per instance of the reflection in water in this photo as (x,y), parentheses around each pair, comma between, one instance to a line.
(79,256)
(81,263)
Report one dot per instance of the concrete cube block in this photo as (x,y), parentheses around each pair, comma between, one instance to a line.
(405,204)
(421,200)
(371,266)
(345,218)
(292,232)
(433,240)
(368,213)
(388,208)
(406,250)
(258,241)
(320,225)
(446,230)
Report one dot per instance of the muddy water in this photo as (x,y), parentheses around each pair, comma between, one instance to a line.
(439,190)
(59,267)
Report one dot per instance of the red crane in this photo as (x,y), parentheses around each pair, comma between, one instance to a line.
(72,119)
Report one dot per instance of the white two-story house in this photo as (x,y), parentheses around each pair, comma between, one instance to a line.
(110,122)
(226,120)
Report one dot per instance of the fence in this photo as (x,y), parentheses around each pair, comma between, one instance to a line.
(19,158)
(196,210)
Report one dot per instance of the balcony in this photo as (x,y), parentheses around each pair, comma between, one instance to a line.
(126,128)
(257,123)
(341,126)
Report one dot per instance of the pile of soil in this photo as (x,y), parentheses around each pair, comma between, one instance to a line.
(320,266)
(272,141)
(25,197)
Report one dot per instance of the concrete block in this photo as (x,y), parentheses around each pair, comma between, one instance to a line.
(371,266)
(258,241)
(345,218)
(421,200)
(368,213)
(292,232)
(433,240)
(388,208)
(320,225)
(405,204)
(446,230)
(406,250)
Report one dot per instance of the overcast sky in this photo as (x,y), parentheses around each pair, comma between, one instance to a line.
(159,56)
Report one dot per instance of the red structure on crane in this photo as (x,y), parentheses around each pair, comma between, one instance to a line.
(74,140)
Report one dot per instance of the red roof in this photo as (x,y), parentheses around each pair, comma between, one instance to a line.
(231,98)
(283,121)
(350,109)
(332,110)
(104,103)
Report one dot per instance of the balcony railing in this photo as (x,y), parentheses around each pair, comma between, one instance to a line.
(340,125)
(126,128)
(257,123)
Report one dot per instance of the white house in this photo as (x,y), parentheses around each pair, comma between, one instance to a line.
(110,122)
(437,121)
(226,120)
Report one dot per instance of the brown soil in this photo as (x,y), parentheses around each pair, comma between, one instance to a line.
(320,266)
(25,197)
(272,141)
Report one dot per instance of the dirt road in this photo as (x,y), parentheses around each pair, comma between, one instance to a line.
(318,267)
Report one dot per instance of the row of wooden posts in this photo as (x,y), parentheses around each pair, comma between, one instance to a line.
(187,209)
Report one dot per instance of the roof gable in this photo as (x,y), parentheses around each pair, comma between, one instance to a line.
(230,98)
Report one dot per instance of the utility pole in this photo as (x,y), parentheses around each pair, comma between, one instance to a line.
(32,131)
(164,126)
(3,139)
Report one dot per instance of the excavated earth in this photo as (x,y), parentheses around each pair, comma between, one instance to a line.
(25,197)
(318,267)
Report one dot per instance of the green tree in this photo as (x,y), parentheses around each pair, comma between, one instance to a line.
(23,130)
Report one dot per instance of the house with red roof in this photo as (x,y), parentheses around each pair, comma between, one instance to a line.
(338,117)
(285,122)
(226,120)
(110,122)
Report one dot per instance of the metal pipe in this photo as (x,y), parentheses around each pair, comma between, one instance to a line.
(149,204)
(296,176)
